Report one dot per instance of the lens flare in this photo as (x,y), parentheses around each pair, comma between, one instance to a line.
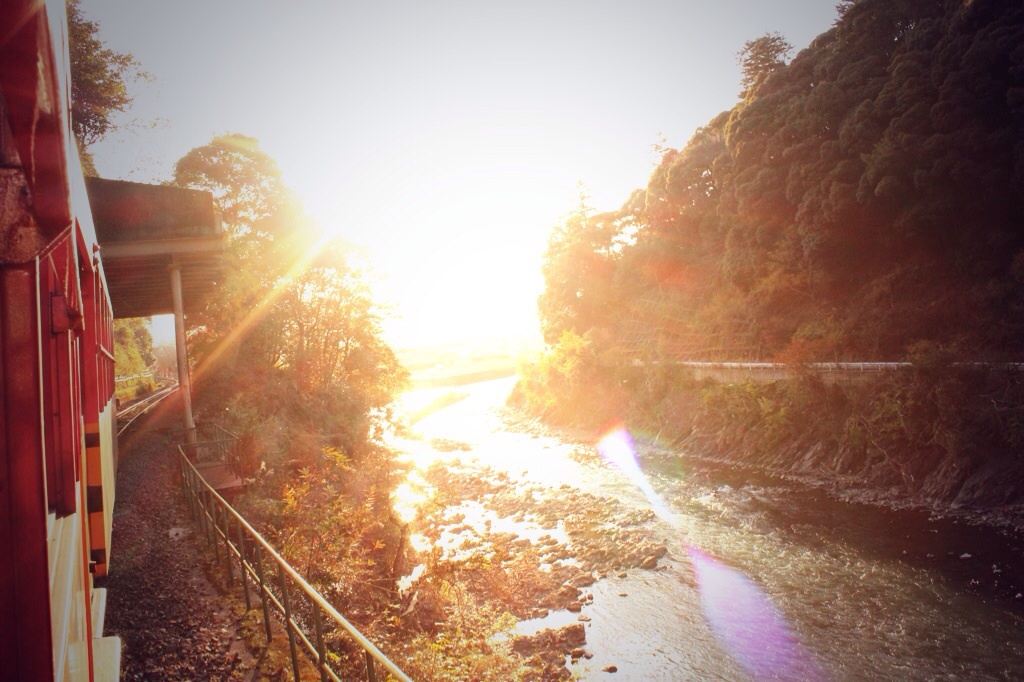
(743,619)
(747,624)
(616,447)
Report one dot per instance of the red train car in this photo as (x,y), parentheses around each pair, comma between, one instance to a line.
(57,413)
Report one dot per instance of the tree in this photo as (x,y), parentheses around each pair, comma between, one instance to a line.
(99,78)
(166,358)
(330,331)
(290,356)
(245,182)
(255,208)
(577,271)
(292,314)
(133,356)
(133,345)
(761,57)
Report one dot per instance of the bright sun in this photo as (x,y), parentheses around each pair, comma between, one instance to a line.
(458,245)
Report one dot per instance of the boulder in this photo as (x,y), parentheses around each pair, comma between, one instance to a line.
(550,642)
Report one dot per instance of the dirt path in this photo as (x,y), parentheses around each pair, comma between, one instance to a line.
(172,621)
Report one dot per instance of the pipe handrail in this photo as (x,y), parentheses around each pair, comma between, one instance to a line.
(189,475)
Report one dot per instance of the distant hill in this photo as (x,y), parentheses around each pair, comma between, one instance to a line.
(863,200)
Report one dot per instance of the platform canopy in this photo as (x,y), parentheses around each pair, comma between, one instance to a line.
(143,230)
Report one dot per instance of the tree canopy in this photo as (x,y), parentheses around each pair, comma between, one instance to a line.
(290,356)
(99,78)
(133,357)
(244,180)
(859,200)
(761,57)
(293,315)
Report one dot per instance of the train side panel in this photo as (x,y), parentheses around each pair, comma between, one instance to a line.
(26,647)
(57,463)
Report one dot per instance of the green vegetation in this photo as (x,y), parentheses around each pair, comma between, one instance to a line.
(476,643)
(133,357)
(291,346)
(933,433)
(861,199)
(859,203)
(99,78)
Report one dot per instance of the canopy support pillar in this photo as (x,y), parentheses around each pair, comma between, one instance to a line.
(184,383)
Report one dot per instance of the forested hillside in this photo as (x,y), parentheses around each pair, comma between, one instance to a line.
(861,201)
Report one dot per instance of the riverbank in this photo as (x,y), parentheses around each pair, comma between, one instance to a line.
(865,588)
(979,551)
(935,443)
(941,436)
(946,443)
(528,551)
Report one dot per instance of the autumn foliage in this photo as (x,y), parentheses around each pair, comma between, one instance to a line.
(860,199)
(290,357)
(860,203)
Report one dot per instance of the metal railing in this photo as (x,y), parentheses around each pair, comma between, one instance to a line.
(213,444)
(280,588)
(133,377)
(127,415)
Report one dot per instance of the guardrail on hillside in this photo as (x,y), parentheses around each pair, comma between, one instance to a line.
(829,372)
(279,587)
(132,377)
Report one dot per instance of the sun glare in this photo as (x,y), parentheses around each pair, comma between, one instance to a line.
(457,226)
(405,501)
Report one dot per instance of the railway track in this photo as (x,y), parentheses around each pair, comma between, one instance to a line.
(127,416)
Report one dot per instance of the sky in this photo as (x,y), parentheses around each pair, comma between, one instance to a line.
(446,138)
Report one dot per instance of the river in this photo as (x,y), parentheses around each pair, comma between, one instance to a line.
(764,578)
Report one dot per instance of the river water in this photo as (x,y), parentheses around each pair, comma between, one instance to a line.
(764,578)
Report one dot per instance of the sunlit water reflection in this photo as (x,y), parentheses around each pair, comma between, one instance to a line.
(764,579)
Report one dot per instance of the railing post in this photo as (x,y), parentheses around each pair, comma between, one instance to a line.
(371,671)
(216,528)
(186,476)
(242,566)
(263,590)
(186,488)
(321,653)
(227,545)
(197,503)
(288,619)
(206,513)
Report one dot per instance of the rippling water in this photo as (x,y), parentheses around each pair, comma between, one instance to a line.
(765,579)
